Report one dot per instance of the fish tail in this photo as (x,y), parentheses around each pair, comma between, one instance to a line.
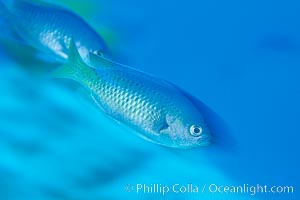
(75,68)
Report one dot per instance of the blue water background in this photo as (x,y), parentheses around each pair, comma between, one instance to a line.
(240,58)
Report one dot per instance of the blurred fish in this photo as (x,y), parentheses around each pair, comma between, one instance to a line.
(156,109)
(49,28)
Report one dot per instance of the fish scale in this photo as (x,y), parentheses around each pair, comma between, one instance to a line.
(125,102)
(155,109)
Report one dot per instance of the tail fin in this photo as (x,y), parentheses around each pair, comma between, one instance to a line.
(75,69)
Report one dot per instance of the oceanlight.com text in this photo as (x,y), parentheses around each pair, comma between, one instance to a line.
(250,189)
(164,189)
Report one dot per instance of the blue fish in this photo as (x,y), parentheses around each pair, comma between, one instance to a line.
(49,28)
(156,109)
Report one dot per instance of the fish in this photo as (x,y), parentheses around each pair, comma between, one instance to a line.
(152,107)
(49,28)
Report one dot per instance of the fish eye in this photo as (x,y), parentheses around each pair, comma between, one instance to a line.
(196,130)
